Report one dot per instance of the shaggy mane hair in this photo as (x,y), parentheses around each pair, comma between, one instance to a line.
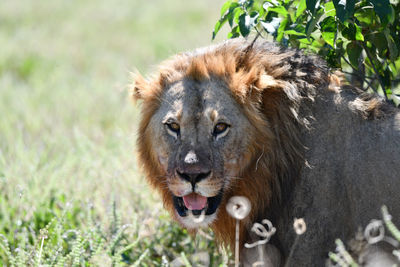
(274,87)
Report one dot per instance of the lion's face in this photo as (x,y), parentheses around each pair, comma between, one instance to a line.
(199,137)
(225,121)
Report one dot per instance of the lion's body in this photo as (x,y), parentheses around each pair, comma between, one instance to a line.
(355,170)
(293,142)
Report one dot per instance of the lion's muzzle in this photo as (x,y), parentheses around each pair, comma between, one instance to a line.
(195,200)
(194,189)
(198,195)
(193,178)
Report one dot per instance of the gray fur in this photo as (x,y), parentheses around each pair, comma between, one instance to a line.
(354,170)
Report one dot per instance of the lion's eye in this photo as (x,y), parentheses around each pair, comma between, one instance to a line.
(173,126)
(220,128)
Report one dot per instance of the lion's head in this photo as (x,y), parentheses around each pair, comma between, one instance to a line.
(223,121)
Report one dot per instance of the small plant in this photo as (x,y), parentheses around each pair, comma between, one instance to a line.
(74,236)
(373,234)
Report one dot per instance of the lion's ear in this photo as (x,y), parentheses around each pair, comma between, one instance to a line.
(139,87)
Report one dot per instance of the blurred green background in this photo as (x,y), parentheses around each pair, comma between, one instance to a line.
(67,128)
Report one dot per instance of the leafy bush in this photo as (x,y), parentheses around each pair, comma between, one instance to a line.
(361,37)
(367,242)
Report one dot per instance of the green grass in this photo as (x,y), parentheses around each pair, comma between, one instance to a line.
(71,192)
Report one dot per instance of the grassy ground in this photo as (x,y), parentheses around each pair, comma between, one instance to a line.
(71,192)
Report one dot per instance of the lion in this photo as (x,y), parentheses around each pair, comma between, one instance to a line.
(275,125)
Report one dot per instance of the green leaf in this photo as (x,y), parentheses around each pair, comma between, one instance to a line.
(225,7)
(281,29)
(299,28)
(359,36)
(354,52)
(330,10)
(293,32)
(222,21)
(344,9)
(312,22)
(300,8)
(311,5)
(328,30)
(378,39)
(333,59)
(365,16)
(244,24)
(237,11)
(259,8)
(280,10)
(305,41)
(217,27)
(391,44)
(328,24)
(353,32)
(384,10)
(235,32)
(329,38)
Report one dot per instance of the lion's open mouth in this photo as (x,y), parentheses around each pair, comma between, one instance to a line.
(197,204)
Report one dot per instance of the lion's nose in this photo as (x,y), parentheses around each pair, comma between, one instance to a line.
(193,178)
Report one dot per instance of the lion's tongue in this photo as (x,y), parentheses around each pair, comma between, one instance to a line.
(194,201)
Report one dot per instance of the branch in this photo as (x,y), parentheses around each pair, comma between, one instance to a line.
(356,74)
(252,43)
(370,84)
(362,78)
(376,71)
